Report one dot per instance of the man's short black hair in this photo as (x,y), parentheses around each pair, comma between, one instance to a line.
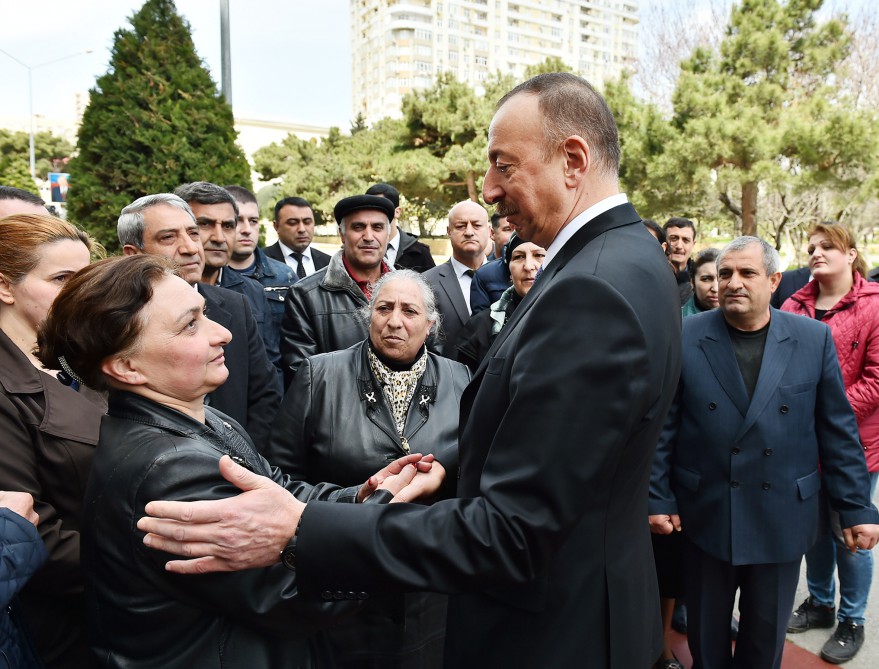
(678,222)
(204,192)
(13,193)
(241,194)
(294,202)
(657,231)
(385,190)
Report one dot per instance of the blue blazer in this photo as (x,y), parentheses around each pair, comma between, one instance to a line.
(744,475)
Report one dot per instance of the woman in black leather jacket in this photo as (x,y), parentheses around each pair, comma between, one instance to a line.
(132,325)
(351,412)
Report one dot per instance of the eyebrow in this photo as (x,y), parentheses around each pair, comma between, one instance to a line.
(194,311)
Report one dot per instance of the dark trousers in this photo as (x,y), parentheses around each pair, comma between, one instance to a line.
(766,597)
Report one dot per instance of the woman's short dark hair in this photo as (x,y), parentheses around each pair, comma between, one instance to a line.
(98,314)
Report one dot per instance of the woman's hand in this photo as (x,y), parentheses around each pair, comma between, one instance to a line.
(423,486)
(397,476)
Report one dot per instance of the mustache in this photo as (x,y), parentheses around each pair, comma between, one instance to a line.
(503,209)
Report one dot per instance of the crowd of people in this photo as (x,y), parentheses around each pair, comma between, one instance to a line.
(221,455)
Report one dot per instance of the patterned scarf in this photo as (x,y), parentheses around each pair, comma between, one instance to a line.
(398,387)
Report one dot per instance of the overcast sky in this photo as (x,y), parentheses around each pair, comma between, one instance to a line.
(290,58)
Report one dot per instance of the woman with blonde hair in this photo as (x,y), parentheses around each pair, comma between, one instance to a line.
(840,296)
(49,427)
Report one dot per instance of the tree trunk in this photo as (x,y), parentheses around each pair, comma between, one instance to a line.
(471,186)
(749,208)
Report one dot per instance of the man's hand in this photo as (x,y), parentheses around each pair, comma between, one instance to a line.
(21,503)
(861,536)
(424,485)
(664,523)
(242,532)
(397,475)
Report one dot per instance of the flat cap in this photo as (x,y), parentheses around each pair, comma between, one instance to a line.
(354,203)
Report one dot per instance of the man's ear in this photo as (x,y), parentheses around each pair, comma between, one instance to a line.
(6,295)
(774,280)
(122,371)
(131,250)
(578,159)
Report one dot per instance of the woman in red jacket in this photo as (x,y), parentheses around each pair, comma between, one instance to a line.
(841,297)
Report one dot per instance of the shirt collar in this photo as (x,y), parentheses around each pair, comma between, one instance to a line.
(286,250)
(579,221)
(460,267)
(392,243)
(363,284)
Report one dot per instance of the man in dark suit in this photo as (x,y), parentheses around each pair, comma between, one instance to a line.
(163,224)
(759,420)
(791,281)
(404,250)
(294,223)
(546,545)
(468,235)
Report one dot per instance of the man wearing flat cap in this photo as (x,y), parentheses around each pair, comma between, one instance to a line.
(320,310)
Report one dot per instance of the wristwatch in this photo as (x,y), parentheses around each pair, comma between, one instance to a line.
(288,555)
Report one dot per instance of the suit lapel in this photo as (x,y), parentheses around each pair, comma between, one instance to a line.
(215,304)
(450,284)
(776,357)
(717,347)
(617,217)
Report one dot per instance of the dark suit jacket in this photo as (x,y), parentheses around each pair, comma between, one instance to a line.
(413,254)
(548,536)
(744,476)
(251,394)
(451,305)
(791,281)
(320,258)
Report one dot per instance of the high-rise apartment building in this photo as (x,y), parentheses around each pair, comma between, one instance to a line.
(401,45)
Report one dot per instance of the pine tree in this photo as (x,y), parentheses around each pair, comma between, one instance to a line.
(155,120)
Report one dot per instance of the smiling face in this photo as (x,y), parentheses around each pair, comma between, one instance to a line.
(745,288)
(26,303)
(529,190)
(826,260)
(172,233)
(398,325)
(525,260)
(364,236)
(179,355)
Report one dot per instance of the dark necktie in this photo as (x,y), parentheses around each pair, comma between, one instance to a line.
(469,272)
(300,268)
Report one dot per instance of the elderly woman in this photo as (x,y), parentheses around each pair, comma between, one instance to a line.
(524,260)
(133,326)
(841,297)
(349,412)
(49,427)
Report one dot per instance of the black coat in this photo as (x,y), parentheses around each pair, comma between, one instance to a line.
(320,315)
(335,425)
(413,254)
(142,616)
(251,394)
(451,305)
(548,536)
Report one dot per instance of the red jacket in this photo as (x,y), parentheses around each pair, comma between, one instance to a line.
(854,322)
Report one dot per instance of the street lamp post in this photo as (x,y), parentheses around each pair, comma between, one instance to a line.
(30,95)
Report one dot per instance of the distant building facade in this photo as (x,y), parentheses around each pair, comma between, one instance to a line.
(401,45)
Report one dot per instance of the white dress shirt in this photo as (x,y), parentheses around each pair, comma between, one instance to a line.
(571,228)
(393,247)
(464,280)
(307,261)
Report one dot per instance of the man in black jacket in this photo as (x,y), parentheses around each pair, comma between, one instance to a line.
(404,250)
(320,312)
(163,224)
(294,223)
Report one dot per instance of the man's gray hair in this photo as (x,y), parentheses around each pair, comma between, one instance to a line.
(771,259)
(129,229)
(204,192)
(427,295)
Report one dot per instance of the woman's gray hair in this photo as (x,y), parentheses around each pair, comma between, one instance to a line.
(130,226)
(771,259)
(427,295)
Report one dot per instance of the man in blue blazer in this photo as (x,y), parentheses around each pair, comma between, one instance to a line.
(760,410)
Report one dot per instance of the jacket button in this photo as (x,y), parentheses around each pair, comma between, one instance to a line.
(712,406)
(339,595)
(350,595)
(736,450)
(326,595)
(767,451)
(784,408)
(734,484)
(362,595)
(766,485)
